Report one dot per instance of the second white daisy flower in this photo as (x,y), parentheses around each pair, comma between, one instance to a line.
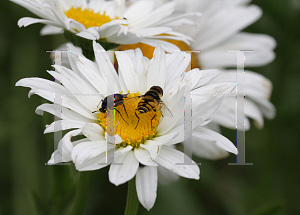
(108,21)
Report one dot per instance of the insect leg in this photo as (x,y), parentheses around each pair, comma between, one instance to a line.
(138,120)
(121,115)
(125,110)
(153,118)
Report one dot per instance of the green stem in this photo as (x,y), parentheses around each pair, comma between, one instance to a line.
(80,197)
(132,199)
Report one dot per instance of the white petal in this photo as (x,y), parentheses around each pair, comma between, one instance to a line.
(176,105)
(87,35)
(157,69)
(92,155)
(143,156)
(107,70)
(219,56)
(173,160)
(165,139)
(138,9)
(253,111)
(25,21)
(152,148)
(201,77)
(61,111)
(166,46)
(57,157)
(257,88)
(124,169)
(148,20)
(229,21)
(207,99)
(153,31)
(93,131)
(266,107)
(146,186)
(226,115)
(177,64)
(66,101)
(49,29)
(90,71)
(218,139)
(127,71)
(61,125)
(123,150)
(129,38)
(207,149)
(40,83)
(64,149)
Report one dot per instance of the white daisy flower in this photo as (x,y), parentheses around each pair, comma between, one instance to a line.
(217,33)
(107,21)
(143,140)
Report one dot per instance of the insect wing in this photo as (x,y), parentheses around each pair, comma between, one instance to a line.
(129,101)
(164,110)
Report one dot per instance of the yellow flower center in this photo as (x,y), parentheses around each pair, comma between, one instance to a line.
(148,50)
(133,127)
(87,17)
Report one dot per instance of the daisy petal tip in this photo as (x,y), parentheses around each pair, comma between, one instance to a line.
(118,139)
(18,83)
(31,92)
(46,131)
(236,152)
(116,181)
(148,207)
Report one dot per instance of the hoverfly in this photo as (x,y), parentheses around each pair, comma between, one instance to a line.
(151,100)
(118,100)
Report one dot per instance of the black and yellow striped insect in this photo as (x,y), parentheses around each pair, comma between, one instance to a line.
(151,100)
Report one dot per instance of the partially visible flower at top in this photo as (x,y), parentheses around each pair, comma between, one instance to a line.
(109,22)
(141,140)
(216,33)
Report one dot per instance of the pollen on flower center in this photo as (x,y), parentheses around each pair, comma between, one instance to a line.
(87,17)
(133,127)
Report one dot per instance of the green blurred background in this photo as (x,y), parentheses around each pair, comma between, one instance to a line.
(270,186)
